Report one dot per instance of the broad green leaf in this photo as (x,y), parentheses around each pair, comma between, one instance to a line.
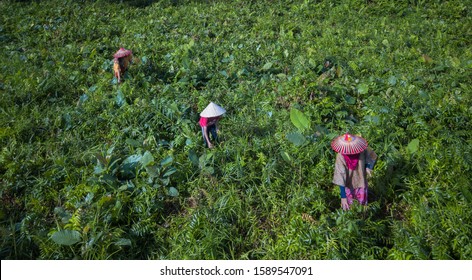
(373,119)
(133,142)
(108,179)
(193,157)
(66,237)
(350,100)
(363,89)
(67,121)
(104,201)
(123,242)
(173,192)
(98,169)
(413,146)
(353,65)
(208,170)
(392,80)
(321,130)
(147,159)
(129,165)
(63,214)
(170,171)
(168,160)
(120,98)
(299,119)
(286,156)
(152,171)
(174,107)
(133,159)
(228,59)
(267,66)
(223,72)
(92,89)
(466,193)
(296,138)
(84,97)
(281,76)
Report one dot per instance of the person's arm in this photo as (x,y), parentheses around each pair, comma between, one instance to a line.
(344,204)
(342,190)
(117,70)
(205,134)
(370,158)
(370,165)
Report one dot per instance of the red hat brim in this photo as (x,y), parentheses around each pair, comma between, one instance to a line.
(122,52)
(348,144)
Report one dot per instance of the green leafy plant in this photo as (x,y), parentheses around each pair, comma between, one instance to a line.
(93,169)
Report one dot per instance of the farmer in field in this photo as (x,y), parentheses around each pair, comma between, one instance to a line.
(354,162)
(208,121)
(121,61)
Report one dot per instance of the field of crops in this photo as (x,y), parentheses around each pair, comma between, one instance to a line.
(93,169)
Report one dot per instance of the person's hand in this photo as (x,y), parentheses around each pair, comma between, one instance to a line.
(344,204)
(369,172)
(210,145)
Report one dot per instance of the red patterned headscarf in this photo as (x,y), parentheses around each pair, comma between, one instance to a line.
(351,161)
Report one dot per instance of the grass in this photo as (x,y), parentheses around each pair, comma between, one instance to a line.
(120,171)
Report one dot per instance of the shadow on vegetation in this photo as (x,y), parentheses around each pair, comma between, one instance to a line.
(388,188)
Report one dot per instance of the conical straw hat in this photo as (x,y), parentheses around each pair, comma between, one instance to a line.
(122,52)
(212,110)
(349,144)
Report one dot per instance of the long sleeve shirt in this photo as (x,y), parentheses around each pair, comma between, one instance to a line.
(356,178)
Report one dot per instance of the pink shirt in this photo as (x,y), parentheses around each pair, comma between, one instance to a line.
(208,121)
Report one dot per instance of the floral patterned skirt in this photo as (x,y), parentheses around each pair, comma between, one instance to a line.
(359,194)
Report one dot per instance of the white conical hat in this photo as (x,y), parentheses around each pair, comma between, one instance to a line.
(212,110)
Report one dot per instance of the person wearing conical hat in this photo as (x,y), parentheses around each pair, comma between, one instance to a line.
(354,161)
(209,118)
(121,60)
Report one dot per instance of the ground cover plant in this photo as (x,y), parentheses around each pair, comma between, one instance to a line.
(92,169)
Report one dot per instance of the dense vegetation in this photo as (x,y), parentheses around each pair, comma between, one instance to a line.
(92,169)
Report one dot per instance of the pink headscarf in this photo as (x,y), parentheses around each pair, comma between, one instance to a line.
(351,161)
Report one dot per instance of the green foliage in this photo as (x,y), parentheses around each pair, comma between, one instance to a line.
(413,145)
(66,237)
(296,138)
(92,169)
(299,119)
